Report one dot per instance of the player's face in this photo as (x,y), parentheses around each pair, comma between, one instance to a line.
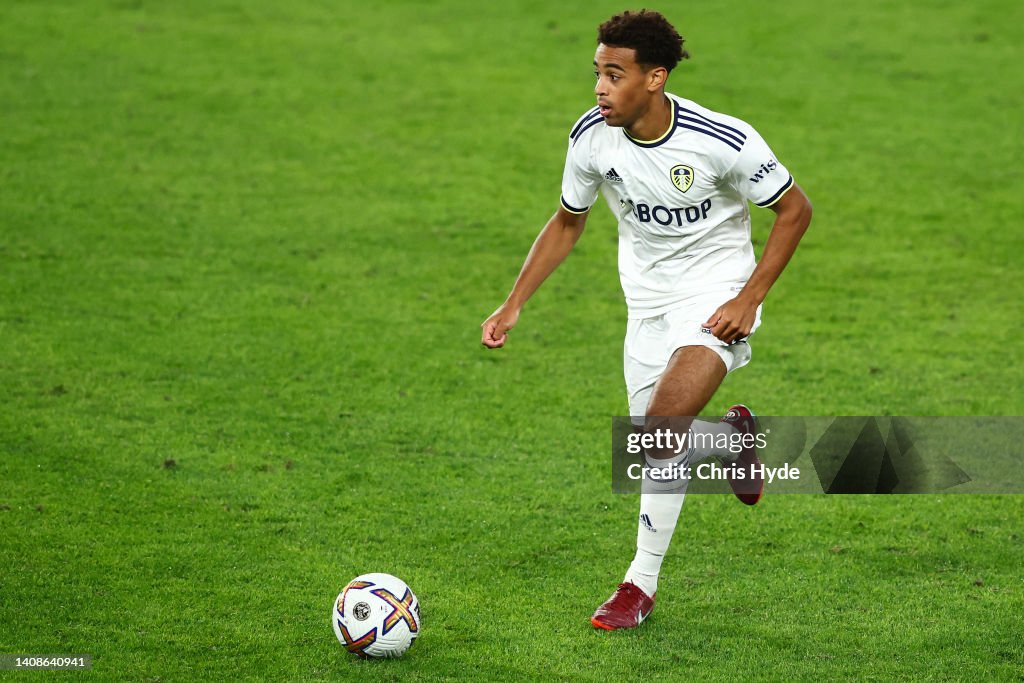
(623,87)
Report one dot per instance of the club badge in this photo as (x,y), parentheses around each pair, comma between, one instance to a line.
(682,177)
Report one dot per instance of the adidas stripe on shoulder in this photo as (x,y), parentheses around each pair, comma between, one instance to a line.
(692,120)
(585,123)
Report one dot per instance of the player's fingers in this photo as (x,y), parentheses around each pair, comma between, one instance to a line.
(486,328)
(495,335)
(713,320)
(720,325)
(742,332)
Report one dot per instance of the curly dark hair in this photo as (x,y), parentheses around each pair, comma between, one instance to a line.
(656,41)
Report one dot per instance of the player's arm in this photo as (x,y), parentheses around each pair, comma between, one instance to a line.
(734,319)
(792,216)
(550,248)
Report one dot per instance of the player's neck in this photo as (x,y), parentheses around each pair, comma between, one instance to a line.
(654,123)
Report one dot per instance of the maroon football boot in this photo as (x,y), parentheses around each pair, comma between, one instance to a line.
(627,608)
(750,487)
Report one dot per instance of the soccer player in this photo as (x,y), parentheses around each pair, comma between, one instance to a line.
(679,178)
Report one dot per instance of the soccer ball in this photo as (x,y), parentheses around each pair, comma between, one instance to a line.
(376,615)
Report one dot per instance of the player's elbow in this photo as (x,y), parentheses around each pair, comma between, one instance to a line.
(808,208)
(806,212)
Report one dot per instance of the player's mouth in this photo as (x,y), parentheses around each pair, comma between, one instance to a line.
(604,109)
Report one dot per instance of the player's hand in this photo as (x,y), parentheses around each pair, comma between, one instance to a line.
(733,320)
(495,329)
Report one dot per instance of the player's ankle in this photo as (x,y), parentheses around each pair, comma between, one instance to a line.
(648,583)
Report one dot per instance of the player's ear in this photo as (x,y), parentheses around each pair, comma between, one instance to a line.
(656,78)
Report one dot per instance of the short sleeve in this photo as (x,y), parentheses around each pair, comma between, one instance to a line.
(757,174)
(580,182)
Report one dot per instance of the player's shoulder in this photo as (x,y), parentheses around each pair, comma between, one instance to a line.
(586,125)
(720,130)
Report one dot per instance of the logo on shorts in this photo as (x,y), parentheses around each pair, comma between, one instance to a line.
(682,177)
(705,330)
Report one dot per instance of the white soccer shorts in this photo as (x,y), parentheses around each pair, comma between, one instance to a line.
(650,343)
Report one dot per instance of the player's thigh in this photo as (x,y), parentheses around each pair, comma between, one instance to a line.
(651,345)
(698,361)
(691,378)
(664,378)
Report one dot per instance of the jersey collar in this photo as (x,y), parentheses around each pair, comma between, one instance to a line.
(665,136)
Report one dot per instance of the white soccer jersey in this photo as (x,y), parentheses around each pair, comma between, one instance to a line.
(681,201)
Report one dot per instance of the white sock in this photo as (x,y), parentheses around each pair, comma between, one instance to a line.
(659,513)
(668,467)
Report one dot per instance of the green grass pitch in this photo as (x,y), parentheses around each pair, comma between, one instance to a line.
(245,248)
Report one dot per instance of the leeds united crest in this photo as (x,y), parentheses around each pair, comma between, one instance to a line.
(682,177)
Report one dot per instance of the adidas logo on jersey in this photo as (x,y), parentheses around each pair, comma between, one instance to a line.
(613,176)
